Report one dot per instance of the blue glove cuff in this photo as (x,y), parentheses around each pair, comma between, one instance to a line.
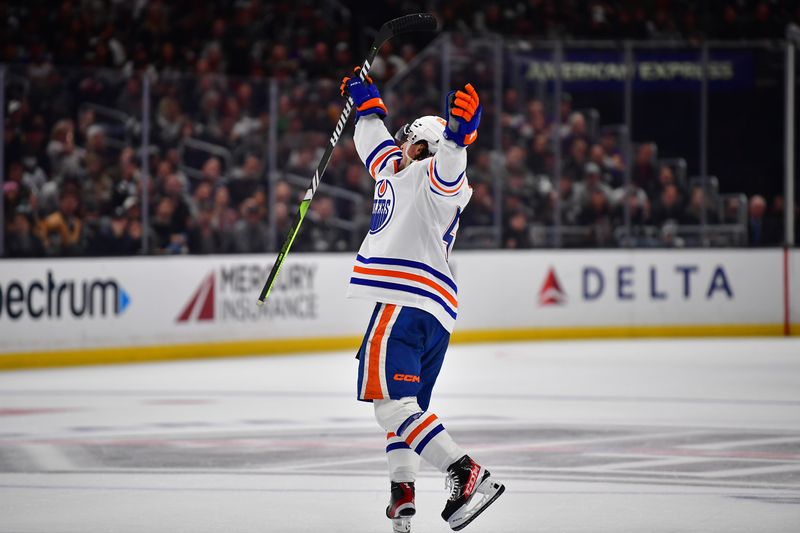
(467,131)
(366,98)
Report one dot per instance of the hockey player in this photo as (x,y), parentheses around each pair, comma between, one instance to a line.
(420,191)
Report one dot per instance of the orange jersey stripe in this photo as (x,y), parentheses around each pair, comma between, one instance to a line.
(436,184)
(381,158)
(373,389)
(405,275)
(428,421)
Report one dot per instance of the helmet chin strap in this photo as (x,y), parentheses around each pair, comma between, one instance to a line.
(407,159)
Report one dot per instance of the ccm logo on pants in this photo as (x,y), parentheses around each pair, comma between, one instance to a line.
(406,377)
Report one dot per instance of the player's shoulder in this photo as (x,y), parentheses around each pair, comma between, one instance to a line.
(442,182)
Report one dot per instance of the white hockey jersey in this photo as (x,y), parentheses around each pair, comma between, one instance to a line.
(415,212)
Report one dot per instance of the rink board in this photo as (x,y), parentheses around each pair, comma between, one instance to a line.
(74,311)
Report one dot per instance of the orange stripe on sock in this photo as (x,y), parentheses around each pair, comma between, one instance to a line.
(373,389)
(390,435)
(428,421)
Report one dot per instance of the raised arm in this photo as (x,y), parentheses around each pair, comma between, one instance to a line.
(447,168)
(376,147)
(373,142)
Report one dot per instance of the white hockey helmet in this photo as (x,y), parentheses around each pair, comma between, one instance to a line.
(429,128)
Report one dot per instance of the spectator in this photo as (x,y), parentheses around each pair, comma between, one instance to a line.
(201,198)
(539,155)
(565,111)
(225,215)
(126,178)
(15,192)
(203,237)
(181,213)
(245,179)
(597,155)
(644,167)
(260,196)
(592,181)
(33,176)
(577,130)
(21,240)
(480,168)
(522,183)
(65,157)
(732,211)
(114,236)
(666,176)
(212,172)
(668,207)
(481,210)
(97,144)
(761,230)
(613,161)
(576,160)
(169,121)
(355,183)
(168,239)
(596,216)
(515,231)
(282,222)
(98,184)
(62,231)
(694,211)
(250,233)
(637,204)
(536,120)
(571,198)
(322,233)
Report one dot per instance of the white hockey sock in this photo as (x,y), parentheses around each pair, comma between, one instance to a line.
(403,462)
(426,436)
(421,431)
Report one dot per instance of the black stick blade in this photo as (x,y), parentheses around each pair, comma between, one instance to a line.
(415,22)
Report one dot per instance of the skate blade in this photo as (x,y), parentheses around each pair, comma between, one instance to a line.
(490,490)
(401,525)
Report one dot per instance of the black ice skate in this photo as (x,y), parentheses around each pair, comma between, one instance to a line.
(401,507)
(472,490)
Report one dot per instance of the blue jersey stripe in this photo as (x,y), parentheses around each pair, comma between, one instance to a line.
(377,150)
(441,194)
(404,288)
(390,157)
(446,183)
(407,263)
(424,442)
(397,446)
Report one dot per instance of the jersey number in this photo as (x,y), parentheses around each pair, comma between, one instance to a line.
(449,236)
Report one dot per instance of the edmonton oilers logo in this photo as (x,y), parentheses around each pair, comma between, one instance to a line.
(382,206)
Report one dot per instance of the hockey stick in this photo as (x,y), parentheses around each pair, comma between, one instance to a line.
(409,23)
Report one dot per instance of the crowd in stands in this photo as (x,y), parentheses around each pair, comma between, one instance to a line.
(312,38)
(74,173)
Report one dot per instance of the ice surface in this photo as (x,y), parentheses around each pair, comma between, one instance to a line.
(646,436)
